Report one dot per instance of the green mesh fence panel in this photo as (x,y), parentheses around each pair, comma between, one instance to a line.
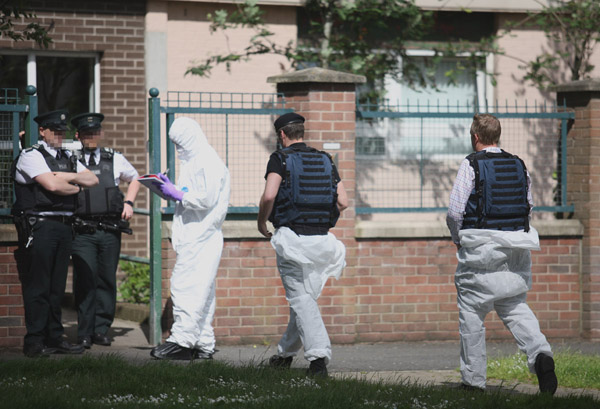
(9,98)
(407,156)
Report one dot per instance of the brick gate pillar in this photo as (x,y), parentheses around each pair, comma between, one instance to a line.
(326,99)
(583,189)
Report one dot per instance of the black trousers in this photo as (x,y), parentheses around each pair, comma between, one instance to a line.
(95,262)
(43,273)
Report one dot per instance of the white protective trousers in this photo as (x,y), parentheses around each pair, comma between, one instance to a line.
(196,235)
(494,272)
(305,263)
(193,293)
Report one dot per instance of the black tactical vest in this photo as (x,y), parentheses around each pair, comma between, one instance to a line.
(104,199)
(499,199)
(308,191)
(33,198)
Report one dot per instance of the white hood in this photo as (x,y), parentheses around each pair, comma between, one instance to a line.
(188,137)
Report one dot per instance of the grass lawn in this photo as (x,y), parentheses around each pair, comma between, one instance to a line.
(573,370)
(111,382)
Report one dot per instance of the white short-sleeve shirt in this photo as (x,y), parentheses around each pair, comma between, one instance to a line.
(31,164)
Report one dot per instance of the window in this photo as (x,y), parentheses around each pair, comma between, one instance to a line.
(408,138)
(62,80)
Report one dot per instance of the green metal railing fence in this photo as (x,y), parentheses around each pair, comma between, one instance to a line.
(407,155)
(239,126)
(16,114)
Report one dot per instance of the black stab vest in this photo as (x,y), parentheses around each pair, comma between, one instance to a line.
(104,199)
(33,198)
(499,199)
(308,191)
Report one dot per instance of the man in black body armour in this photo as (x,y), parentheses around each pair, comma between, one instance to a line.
(102,216)
(303,198)
(47,180)
(488,218)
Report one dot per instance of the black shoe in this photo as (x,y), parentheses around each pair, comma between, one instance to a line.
(62,346)
(172,351)
(100,339)
(318,368)
(544,369)
(280,362)
(86,341)
(470,388)
(37,350)
(202,354)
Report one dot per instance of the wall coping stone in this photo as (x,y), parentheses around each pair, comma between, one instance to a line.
(438,229)
(246,229)
(587,85)
(319,75)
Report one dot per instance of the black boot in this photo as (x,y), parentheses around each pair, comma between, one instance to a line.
(544,369)
(36,350)
(203,354)
(280,362)
(318,368)
(172,351)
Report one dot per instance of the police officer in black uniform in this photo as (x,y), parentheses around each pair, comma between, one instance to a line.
(102,215)
(47,180)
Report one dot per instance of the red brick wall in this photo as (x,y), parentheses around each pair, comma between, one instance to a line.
(115,30)
(403,290)
(12,314)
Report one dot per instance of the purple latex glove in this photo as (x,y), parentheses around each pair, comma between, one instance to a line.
(168,189)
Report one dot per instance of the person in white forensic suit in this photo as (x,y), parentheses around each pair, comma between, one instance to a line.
(202,199)
(303,198)
(488,218)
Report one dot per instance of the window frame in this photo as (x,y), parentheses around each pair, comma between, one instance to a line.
(93,92)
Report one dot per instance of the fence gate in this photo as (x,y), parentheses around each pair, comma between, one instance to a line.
(239,126)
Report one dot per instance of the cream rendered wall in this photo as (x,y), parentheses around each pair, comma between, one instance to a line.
(189,39)
(522,46)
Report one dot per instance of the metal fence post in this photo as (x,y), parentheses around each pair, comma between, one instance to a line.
(155,221)
(170,154)
(31,128)
(563,161)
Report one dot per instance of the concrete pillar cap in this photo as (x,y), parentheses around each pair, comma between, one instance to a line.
(317,74)
(587,85)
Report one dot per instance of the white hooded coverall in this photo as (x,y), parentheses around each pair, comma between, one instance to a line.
(196,235)
(493,272)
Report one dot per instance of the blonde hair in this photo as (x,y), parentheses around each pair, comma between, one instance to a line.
(487,127)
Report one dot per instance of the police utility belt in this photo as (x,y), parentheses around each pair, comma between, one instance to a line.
(91,224)
(24,224)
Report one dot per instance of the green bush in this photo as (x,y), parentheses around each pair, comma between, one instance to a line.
(135,287)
